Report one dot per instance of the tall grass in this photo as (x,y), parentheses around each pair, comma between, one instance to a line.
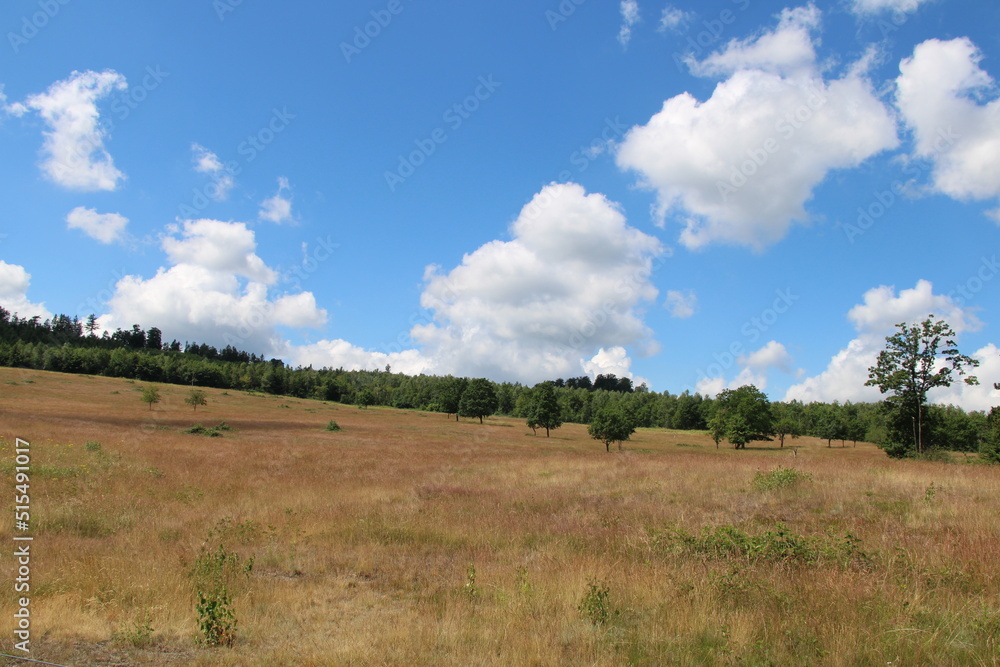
(426,541)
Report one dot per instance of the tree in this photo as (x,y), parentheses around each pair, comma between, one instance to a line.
(449,395)
(784,422)
(743,415)
(150,394)
(478,400)
(196,398)
(544,411)
(909,367)
(611,424)
(91,326)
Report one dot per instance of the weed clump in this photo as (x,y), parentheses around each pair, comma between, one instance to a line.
(779,478)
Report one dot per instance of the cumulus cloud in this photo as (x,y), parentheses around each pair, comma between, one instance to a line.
(754,368)
(227,247)
(562,297)
(103,227)
(568,283)
(871,7)
(674,19)
(342,354)
(940,93)
(740,167)
(73,154)
(712,387)
(215,291)
(14,283)
(874,319)
(976,397)
(772,355)
(681,304)
(207,162)
(278,209)
(630,16)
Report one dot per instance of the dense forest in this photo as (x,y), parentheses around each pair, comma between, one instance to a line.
(69,345)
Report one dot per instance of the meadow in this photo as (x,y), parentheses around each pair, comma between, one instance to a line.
(407,538)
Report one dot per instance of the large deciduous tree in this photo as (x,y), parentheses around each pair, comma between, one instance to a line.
(478,400)
(742,415)
(544,411)
(916,359)
(611,424)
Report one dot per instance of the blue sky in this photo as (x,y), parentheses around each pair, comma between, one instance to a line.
(696,195)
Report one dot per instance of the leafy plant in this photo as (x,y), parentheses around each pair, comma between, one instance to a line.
(779,478)
(93,446)
(139,634)
(216,618)
(333,426)
(595,606)
(470,581)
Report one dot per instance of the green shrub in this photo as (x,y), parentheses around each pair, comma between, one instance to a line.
(779,478)
(93,446)
(595,606)
(333,426)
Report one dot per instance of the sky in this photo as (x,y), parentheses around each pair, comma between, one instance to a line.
(693,195)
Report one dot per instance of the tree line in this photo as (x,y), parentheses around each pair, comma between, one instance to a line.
(69,345)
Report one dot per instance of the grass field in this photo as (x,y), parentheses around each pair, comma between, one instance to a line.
(407,538)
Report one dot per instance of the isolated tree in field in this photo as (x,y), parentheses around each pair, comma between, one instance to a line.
(784,422)
(909,367)
(478,400)
(150,394)
(544,411)
(196,398)
(611,424)
(742,415)
(449,395)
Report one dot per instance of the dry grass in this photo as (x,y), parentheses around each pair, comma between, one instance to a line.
(366,540)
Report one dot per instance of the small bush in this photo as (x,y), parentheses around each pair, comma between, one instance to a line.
(333,426)
(93,446)
(779,478)
(595,606)
(778,545)
(138,635)
(216,618)
(209,431)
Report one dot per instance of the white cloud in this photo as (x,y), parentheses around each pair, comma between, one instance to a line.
(278,209)
(740,167)
(568,283)
(882,309)
(341,354)
(562,296)
(674,19)
(73,154)
(104,227)
(975,397)
(612,361)
(14,283)
(630,16)
(875,318)
(681,304)
(216,291)
(787,50)
(940,93)
(207,162)
(712,387)
(227,247)
(772,355)
(870,7)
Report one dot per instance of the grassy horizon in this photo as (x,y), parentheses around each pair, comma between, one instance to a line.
(409,538)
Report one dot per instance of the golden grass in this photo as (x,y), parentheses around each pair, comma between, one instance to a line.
(365,540)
